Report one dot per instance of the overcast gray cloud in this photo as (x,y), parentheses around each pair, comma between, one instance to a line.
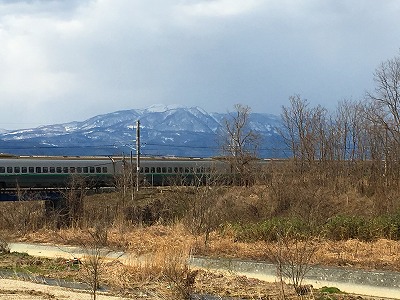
(69,60)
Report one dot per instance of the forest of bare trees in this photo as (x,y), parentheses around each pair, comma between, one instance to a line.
(365,130)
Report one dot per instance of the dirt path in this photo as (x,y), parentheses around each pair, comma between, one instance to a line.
(11,289)
(15,289)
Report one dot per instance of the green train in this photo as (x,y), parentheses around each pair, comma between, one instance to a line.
(59,172)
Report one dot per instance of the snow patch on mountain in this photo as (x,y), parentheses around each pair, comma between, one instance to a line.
(182,131)
(162,108)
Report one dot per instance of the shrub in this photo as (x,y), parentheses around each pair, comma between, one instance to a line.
(366,229)
(330,290)
(349,227)
(340,227)
(270,230)
(4,247)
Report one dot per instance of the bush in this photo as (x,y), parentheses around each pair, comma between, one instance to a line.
(340,227)
(330,290)
(4,248)
(366,229)
(270,230)
(347,227)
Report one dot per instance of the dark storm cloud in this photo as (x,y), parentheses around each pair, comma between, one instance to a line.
(69,60)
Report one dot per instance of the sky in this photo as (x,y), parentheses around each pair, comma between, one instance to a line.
(69,60)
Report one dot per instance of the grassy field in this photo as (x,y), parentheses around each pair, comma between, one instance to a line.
(159,278)
(326,216)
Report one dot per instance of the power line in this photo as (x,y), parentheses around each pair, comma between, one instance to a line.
(122,146)
(57,147)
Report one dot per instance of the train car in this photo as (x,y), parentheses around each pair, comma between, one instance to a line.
(179,171)
(54,172)
(58,172)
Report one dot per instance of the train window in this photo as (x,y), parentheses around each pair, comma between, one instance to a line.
(2,169)
(79,169)
(59,169)
(146,169)
(152,170)
(169,170)
(198,170)
(45,169)
(65,169)
(31,170)
(164,169)
(158,169)
(24,170)
(9,169)
(98,169)
(141,170)
(17,169)
(180,169)
(187,170)
(105,170)
(72,169)
(38,170)
(52,169)
(176,170)
(91,169)
(85,170)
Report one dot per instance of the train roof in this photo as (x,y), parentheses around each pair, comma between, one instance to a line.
(144,158)
(54,157)
(7,155)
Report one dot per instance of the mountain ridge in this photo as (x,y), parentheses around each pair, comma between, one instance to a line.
(165,130)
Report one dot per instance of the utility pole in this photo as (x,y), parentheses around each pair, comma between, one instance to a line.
(131,175)
(137,154)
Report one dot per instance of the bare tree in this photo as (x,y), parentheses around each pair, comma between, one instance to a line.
(384,114)
(386,96)
(203,215)
(304,129)
(74,197)
(349,126)
(240,143)
(293,254)
(93,263)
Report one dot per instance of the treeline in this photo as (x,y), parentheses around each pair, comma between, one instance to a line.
(364,130)
(343,179)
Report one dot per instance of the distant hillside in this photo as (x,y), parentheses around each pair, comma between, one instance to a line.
(165,131)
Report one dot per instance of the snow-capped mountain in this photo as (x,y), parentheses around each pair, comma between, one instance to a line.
(165,130)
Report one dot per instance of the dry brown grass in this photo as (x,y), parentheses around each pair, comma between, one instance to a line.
(158,267)
(163,248)
(227,285)
(148,280)
(137,240)
(381,254)
(155,240)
